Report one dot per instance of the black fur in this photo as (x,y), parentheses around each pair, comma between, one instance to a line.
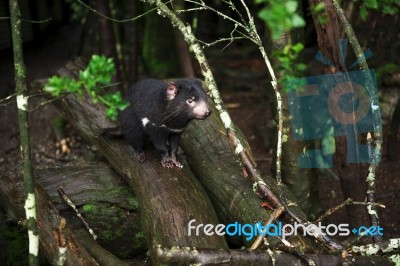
(161,111)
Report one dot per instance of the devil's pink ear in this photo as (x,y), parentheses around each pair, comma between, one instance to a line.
(172,90)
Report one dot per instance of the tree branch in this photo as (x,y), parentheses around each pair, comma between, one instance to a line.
(22,104)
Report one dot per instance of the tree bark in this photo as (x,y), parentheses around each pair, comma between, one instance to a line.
(53,240)
(54,234)
(99,193)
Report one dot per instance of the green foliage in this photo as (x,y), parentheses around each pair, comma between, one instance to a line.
(385,69)
(280,16)
(16,245)
(389,7)
(93,81)
(288,69)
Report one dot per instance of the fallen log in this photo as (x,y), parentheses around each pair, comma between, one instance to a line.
(210,157)
(168,198)
(97,192)
(56,237)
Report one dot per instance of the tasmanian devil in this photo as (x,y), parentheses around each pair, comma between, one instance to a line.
(161,111)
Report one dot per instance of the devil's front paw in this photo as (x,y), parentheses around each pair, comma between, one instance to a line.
(176,162)
(167,162)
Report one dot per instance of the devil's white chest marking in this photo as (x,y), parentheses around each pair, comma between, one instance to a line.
(145,121)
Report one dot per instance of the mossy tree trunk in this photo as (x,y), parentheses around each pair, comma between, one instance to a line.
(22,104)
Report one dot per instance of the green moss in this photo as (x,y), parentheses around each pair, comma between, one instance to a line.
(111,234)
(20,70)
(106,235)
(133,202)
(139,240)
(118,192)
(16,247)
(88,208)
(140,236)
(118,233)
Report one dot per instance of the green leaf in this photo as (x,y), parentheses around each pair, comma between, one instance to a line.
(259,2)
(371,4)
(93,80)
(297,21)
(363,12)
(111,114)
(298,47)
(281,17)
(263,14)
(300,67)
(291,6)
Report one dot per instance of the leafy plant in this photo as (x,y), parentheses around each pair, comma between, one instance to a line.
(386,69)
(288,69)
(93,81)
(280,16)
(389,7)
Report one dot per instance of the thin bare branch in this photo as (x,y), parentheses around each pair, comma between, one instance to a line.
(348,201)
(113,19)
(78,214)
(203,5)
(28,20)
(274,216)
(6,99)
